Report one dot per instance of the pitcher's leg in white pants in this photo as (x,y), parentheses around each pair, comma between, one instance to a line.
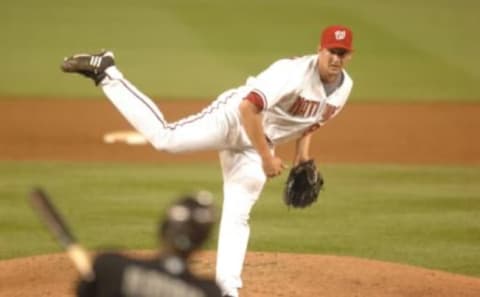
(206,130)
(243,182)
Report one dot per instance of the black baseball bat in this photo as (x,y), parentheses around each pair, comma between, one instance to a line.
(51,217)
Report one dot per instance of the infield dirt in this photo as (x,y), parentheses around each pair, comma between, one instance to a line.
(363,133)
(375,133)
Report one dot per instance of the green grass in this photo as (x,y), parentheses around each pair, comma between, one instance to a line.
(425,216)
(405,50)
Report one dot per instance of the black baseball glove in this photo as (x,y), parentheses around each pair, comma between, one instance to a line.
(303,185)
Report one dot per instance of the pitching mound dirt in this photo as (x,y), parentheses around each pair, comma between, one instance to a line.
(266,275)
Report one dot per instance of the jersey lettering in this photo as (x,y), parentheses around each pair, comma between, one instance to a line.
(328,112)
(141,282)
(303,108)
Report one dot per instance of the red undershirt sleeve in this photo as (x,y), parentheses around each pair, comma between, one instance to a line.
(256,99)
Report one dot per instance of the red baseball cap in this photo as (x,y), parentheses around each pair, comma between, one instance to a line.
(337,37)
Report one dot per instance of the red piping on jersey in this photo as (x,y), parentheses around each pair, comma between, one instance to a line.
(188,120)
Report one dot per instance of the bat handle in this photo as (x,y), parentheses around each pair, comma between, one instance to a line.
(81,260)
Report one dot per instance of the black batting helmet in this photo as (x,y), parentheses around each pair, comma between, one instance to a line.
(188,222)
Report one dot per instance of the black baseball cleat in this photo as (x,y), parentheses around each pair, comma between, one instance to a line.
(90,65)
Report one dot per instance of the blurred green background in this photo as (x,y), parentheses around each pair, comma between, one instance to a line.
(405,50)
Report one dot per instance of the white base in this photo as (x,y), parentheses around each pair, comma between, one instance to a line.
(128,137)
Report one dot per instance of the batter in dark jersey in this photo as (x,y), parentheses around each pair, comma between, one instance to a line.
(117,275)
(186,226)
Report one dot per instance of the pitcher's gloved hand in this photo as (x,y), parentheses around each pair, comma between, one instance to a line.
(303,185)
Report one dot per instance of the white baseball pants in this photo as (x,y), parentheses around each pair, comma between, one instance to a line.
(243,180)
(212,128)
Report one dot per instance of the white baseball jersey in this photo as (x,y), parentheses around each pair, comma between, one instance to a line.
(293,98)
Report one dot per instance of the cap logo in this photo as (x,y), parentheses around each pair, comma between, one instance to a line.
(340,34)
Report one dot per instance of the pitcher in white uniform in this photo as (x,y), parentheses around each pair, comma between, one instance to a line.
(287,101)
